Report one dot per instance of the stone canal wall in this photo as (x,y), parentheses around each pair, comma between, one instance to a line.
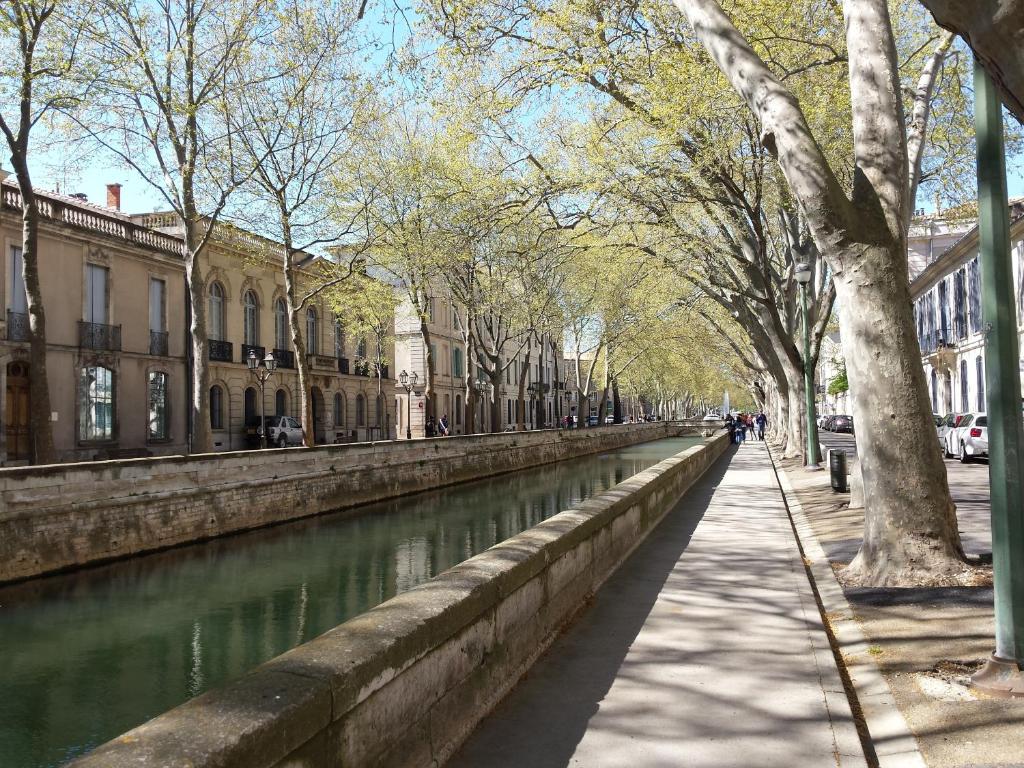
(64,516)
(405,683)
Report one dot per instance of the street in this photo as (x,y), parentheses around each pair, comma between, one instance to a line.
(968,484)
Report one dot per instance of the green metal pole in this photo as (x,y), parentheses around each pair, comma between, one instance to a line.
(1002,376)
(812,426)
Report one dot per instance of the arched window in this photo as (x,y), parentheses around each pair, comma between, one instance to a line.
(281,325)
(250,320)
(281,403)
(311,336)
(158,421)
(251,414)
(216,311)
(96,404)
(458,410)
(339,410)
(360,411)
(216,407)
(339,338)
(979,366)
(965,404)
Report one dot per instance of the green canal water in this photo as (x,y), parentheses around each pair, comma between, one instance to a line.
(89,655)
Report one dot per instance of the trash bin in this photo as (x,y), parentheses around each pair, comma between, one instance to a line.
(837,468)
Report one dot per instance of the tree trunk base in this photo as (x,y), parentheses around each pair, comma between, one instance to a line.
(923,564)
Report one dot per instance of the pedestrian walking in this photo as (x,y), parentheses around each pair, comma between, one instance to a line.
(730,425)
(741,429)
(442,426)
(429,429)
(762,425)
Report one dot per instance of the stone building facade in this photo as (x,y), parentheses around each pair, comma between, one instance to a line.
(545,379)
(114,294)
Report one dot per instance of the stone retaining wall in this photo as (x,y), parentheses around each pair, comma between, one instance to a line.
(405,683)
(64,516)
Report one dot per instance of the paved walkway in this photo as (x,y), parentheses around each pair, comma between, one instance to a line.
(705,649)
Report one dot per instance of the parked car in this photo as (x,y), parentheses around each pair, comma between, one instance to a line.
(592,421)
(282,431)
(826,423)
(955,434)
(943,426)
(842,424)
(974,439)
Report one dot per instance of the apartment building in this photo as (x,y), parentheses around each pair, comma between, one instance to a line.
(112,291)
(545,382)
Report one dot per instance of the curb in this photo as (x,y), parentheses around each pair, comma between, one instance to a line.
(888,735)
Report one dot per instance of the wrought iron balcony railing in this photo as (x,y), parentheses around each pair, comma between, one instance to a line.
(221,351)
(383,369)
(158,343)
(17,326)
(932,341)
(99,336)
(343,365)
(285,358)
(260,352)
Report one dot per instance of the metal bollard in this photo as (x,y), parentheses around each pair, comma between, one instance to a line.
(837,468)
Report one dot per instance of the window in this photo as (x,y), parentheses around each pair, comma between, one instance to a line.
(979,366)
(216,407)
(339,410)
(250,320)
(281,324)
(458,410)
(433,358)
(96,404)
(964,404)
(935,392)
(379,411)
(974,293)
(959,305)
(251,415)
(19,302)
(361,347)
(311,338)
(339,338)
(96,294)
(281,403)
(157,304)
(360,411)
(159,427)
(457,363)
(216,319)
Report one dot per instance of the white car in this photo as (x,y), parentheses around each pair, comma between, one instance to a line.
(955,433)
(974,439)
(283,431)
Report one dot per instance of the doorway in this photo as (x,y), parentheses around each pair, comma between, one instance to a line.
(19,435)
(319,428)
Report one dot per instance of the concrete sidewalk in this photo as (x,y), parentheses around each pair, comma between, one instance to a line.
(705,649)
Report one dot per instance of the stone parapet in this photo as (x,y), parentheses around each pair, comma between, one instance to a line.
(65,516)
(405,683)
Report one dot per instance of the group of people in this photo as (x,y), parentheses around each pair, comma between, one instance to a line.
(440,429)
(739,425)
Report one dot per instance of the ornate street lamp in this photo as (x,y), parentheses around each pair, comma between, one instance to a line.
(408,384)
(802,273)
(480,387)
(262,370)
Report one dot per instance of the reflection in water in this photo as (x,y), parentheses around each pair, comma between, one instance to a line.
(90,655)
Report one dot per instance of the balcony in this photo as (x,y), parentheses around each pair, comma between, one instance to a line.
(383,370)
(99,336)
(17,326)
(343,365)
(285,358)
(260,352)
(158,343)
(221,351)
(362,368)
(939,349)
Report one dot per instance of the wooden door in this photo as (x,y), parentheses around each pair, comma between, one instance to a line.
(16,417)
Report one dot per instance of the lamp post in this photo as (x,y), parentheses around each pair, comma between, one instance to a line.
(262,370)
(480,387)
(408,384)
(802,273)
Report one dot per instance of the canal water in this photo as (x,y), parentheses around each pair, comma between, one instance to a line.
(89,655)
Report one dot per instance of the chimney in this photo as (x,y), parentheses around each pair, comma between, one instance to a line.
(114,196)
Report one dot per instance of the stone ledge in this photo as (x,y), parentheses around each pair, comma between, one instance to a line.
(405,683)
